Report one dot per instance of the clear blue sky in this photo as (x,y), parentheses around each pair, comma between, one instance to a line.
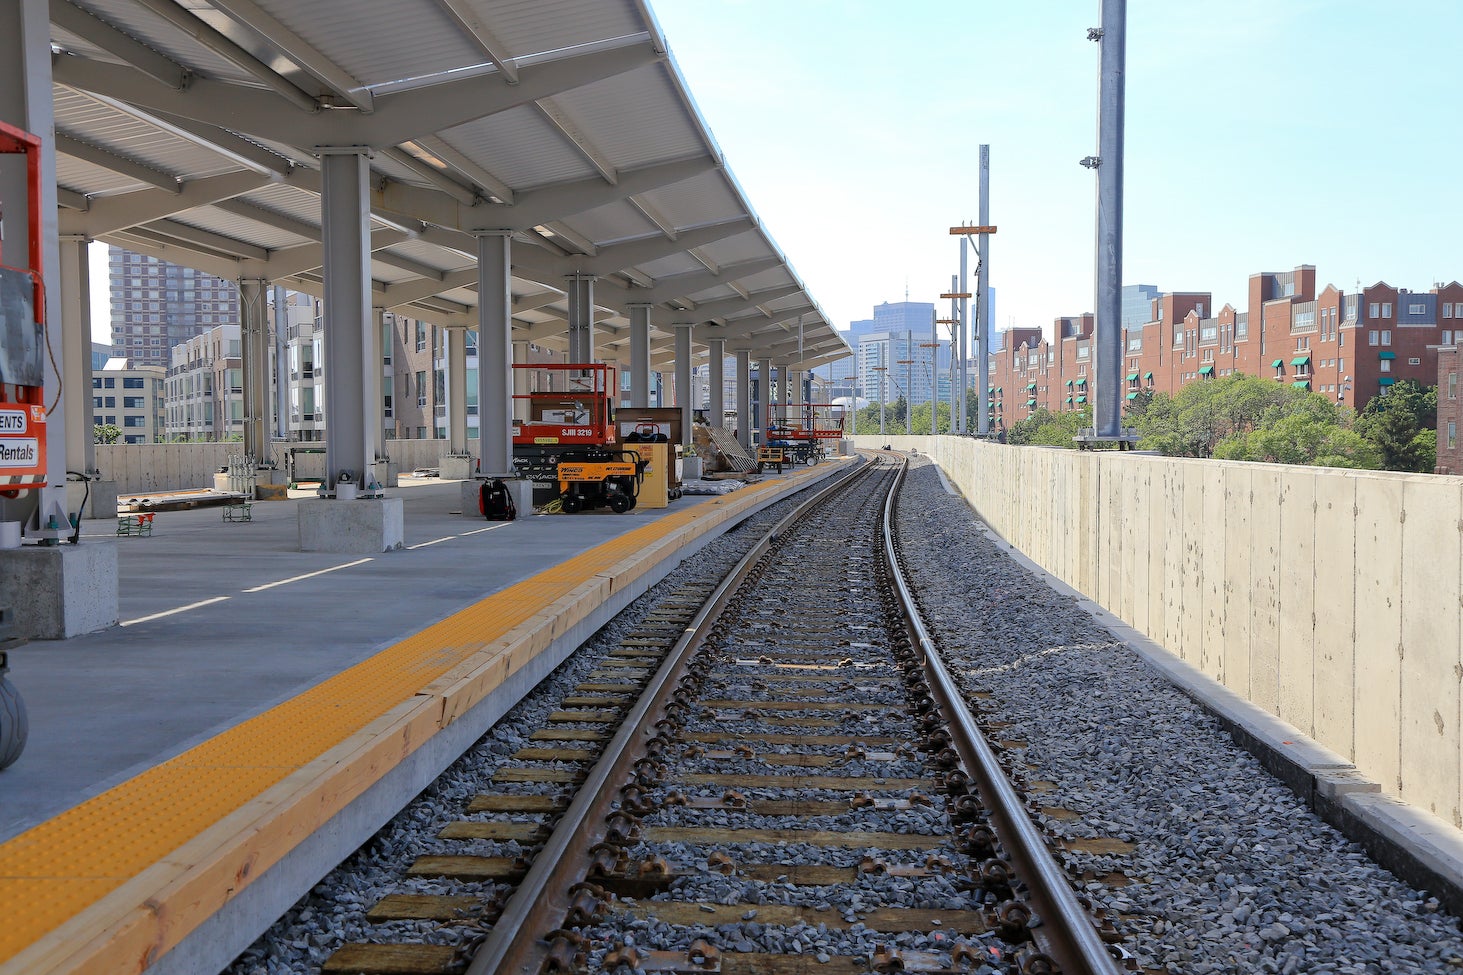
(1261,134)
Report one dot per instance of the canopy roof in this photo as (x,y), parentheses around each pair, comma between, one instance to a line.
(189,130)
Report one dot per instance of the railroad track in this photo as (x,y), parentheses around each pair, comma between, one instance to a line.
(770,776)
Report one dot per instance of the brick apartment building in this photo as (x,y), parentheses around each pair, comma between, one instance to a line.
(1350,346)
(1450,410)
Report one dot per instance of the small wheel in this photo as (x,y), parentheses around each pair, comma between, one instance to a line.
(620,503)
(14,727)
(571,503)
(634,501)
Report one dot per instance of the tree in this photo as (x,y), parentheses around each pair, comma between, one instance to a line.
(1402,425)
(106,433)
(1048,429)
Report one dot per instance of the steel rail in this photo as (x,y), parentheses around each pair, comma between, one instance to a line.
(1074,939)
(514,945)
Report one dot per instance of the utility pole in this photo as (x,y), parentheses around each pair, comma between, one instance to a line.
(957,295)
(908,390)
(984,230)
(982,299)
(1107,395)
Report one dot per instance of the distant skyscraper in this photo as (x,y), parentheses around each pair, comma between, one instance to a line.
(157,305)
(1137,304)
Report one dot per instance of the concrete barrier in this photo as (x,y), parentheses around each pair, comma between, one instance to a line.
(1329,598)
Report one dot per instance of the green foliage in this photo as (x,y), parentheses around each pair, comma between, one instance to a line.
(106,433)
(1047,429)
(1402,425)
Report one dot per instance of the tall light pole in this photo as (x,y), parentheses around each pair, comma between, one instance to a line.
(881,370)
(908,390)
(1107,391)
(957,295)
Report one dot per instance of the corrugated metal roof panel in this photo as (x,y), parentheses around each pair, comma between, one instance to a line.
(520,148)
(634,119)
(529,27)
(611,224)
(166,39)
(703,199)
(83,177)
(241,228)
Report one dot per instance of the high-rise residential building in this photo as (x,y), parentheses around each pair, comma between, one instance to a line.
(157,305)
(205,388)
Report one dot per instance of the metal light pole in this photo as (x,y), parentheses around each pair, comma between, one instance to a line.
(908,390)
(1107,362)
(982,298)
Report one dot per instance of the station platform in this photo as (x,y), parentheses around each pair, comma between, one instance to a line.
(260,711)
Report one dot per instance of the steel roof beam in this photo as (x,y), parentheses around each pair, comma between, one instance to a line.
(71,199)
(684,285)
(287,261)
(439,147)
(122,165)
(207,239)
(269,218)
(633,253)
(462,194)
(466,18)
(251,16)
(109,214)
(90,28)
(555,116)
(708,310)
(198,29)
(219,139)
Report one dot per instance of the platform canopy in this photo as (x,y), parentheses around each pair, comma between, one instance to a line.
(190,130)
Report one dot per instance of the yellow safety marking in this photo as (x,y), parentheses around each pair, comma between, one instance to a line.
(59,868)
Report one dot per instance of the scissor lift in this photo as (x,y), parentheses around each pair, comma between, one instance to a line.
(803,430)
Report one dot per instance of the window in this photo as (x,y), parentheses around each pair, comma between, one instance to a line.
(1452,434)
(388,410)
(1386,309)
(1414,308)
(1414,361)
(421,387)
(132,382)
(1447,337)
(96,381)
(421,337)
(135,402)
(134,421)
(1447,309)
(111,402)
(1386,336)
(1452,385)
(96,402)
(1374,310)
(110,382)
(1371,337)
(1385,365)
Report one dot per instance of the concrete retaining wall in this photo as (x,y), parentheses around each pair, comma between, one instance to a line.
(180,466)
(1329,598)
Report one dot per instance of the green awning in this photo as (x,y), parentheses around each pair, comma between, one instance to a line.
(1387,381)
(1069,399)
(1207,371)
(1031,402)
(1132,377)
(1278,363)
(998,389)
(990,389)
(1069,382)
(1386,355)
(1081,399)
(1082,382)
(1302,384)
(1031,385)
(1300,360)
(1148,375)
(1132,396)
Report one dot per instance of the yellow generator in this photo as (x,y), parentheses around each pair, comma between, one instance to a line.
(596,477)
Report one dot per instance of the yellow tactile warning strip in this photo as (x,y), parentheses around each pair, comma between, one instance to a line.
(118,880)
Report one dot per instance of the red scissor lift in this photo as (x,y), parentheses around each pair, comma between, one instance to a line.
(803,430)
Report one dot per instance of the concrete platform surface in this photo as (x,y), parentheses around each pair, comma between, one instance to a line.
(231,643)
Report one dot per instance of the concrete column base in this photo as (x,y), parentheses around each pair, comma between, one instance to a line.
(100,503)
(454,467)
(520,488)
(57,592)
(386,472)
(363,525)
(691,466)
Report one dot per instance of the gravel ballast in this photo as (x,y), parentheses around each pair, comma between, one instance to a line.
(1230,871)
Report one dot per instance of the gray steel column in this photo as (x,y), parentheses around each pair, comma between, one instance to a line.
(683,378)
(26,101)
(983,300)
(373,387)
(495,353)
(76,328)
(934,378)
(764,394)
(1108,361)
(580,290)
(964,369)
(345,212)
(640,354)
(254,336)
(281,365)
(908,382)
(457,392)
(716,387)
(744,397)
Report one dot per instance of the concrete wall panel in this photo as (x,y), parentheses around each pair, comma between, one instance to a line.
(1191,599)
(1378,628)
(1209,655)
(1431,661)
(1234,666)
(1296,674)
(1333,591)
(1265,625)
(1173,560)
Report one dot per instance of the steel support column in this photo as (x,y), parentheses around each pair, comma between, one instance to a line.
(495,351)
(580,289)
(716,383)
(373,382)
(683,378)
(640,354)
(281,365)
(254,339)
(983,323)
(76,356)
(352,419)
(457,392)
(764,395)
(1108,338)
(744,397)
